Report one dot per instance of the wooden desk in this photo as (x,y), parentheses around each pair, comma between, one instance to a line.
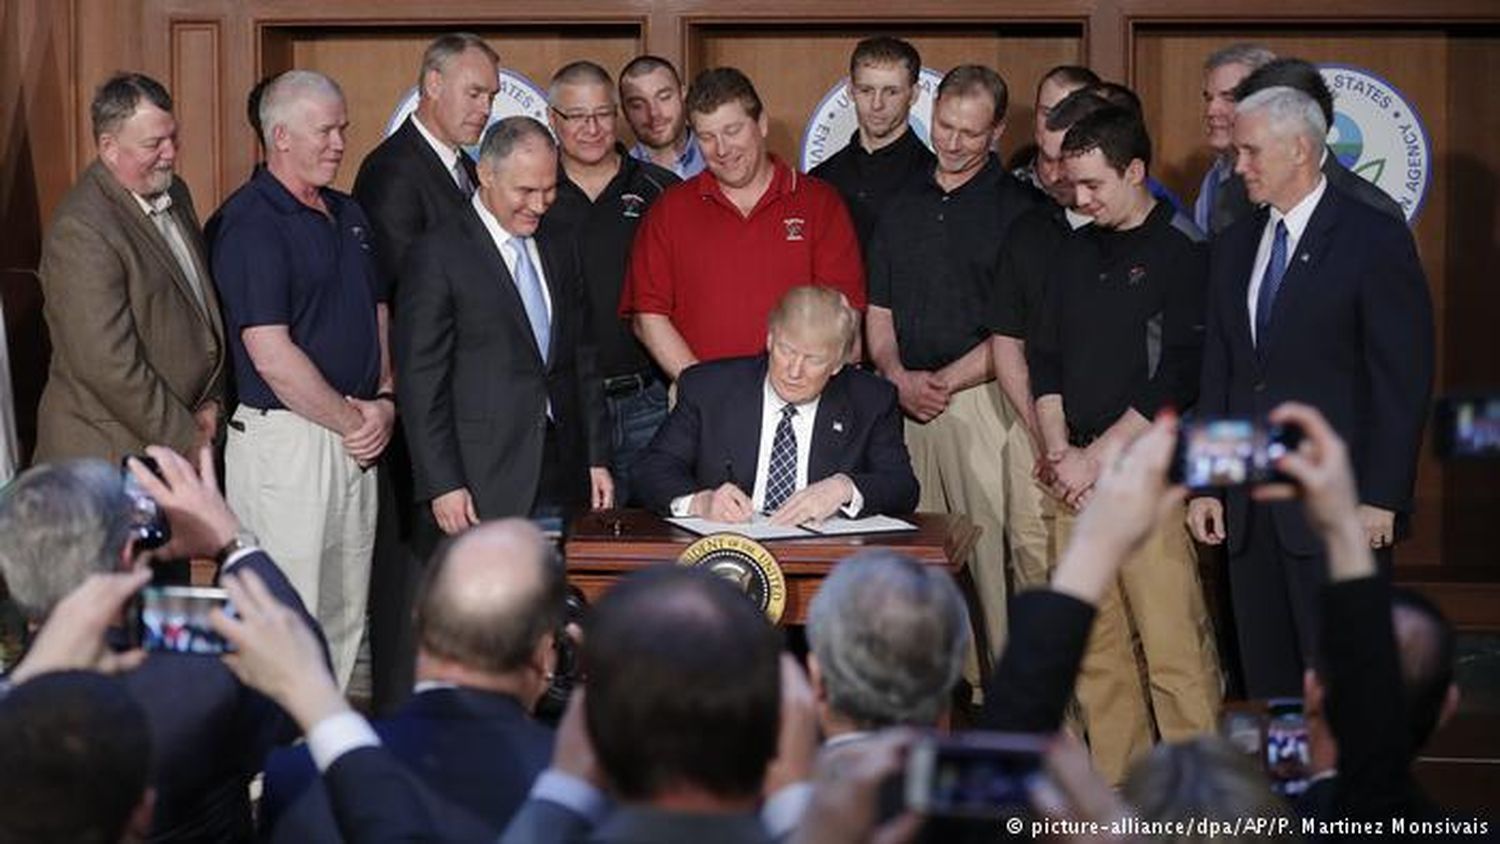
(604,546)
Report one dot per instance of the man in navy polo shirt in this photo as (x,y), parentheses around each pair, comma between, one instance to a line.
(306,318)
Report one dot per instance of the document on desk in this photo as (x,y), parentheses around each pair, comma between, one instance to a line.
(761,528)
(757,528)
(838,526)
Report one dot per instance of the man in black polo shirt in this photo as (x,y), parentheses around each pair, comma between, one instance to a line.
(884,154)
(602,193)
(931,273)
(306,317)
(1121,339)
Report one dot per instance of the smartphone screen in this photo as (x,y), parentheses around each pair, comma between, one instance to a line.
(1468,427)
(1288,757)
(174,619)
(1218,453)
(974,775)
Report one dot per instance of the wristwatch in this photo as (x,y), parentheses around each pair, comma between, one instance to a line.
(241,540)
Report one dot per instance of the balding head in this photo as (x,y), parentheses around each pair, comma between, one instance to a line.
(490,597)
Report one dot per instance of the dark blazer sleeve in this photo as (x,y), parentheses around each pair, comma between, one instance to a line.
(391,196)
(545,822)
(668,467)
(1031,686)
(424,331)
(586,360)
(377,800)
(885,476)
(1396,316)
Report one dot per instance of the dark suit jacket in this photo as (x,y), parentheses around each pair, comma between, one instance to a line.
(133,353)
(1031,685)
(405,191)
(473,388)
(209,732)
(540,822)
(477,749)
(713,436)
(1351,333)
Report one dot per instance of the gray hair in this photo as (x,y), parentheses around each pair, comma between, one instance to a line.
(1289,111)
(288,89)
(1250,55)
(60,523)
(446,47)
(890,635)
(580,73)
(504,135)
(118,98)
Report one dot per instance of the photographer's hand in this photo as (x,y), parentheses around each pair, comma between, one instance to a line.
(201,520)
(73,637)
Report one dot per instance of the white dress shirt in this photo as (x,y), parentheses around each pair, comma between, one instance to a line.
(802,426)
(1296,223)
(448,155)
(158,209)
(504,241)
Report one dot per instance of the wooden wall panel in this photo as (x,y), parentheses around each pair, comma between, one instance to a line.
(376,68)
(793,67)
(1167,66)
(197,86)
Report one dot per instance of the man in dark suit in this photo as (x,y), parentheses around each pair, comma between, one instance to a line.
(138,346)
(503,408)
(209,732)
(488,610)
(1318,298)
(794,434)
(415,179)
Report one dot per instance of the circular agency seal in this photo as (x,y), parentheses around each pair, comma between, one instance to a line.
(833,121)
(1378,135)
(518,96)
(745,563)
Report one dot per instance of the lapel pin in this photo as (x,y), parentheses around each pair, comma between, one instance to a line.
(1304,257)
(838,426)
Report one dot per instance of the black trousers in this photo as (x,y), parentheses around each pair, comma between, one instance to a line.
(1277,599)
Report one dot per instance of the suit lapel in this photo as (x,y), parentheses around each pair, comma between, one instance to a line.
(431,164)
(1302,266)
(489,268)
(743,435)
(1242,262)
(831,430)
(552,277)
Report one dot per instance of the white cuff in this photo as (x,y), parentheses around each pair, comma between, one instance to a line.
(238,555)
(856,502)
(336,735)
(572,793)
(781,814)
(682,505)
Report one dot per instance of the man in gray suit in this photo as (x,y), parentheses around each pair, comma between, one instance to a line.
(138,348)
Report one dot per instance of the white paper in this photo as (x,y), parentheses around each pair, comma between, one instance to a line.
(759,528)
(838,526)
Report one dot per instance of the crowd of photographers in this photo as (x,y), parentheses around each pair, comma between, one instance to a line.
(690,723)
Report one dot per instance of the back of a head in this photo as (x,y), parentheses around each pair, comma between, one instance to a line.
(1425,647)
(489,596)
(1204,778)
(1299,74)
(1120,96)
(683,686)
(889,635)
(60,523)
(1073,108)
(76,755)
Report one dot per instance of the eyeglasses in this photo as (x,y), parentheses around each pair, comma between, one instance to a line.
(598,118)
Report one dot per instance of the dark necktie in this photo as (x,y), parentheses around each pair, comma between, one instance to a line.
(781,473)
(461,174)
(1270,283)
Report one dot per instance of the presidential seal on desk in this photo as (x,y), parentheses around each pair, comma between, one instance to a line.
(746,564)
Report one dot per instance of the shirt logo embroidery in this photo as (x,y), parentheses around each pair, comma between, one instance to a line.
(631,205)
(1135,276)
(793,227)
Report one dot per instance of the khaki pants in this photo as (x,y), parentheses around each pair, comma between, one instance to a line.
(313,509)
(1158,596)
(974,459)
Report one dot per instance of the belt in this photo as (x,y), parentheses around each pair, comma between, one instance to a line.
(624,385)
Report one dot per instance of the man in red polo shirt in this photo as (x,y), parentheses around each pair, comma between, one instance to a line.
(715,253)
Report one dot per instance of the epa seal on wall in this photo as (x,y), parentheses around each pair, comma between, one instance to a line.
(1377,134)
(518,96)
(833,121)
(745,563)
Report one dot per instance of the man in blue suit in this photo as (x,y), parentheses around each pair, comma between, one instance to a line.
(1317,298)
(488,609)
(794,434)
(60,523)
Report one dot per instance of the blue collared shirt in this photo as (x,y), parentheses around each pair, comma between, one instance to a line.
(689,164)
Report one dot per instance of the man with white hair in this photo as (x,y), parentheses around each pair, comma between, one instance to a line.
(306,317)
(1220,196)
(1321,299)
(887,636)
